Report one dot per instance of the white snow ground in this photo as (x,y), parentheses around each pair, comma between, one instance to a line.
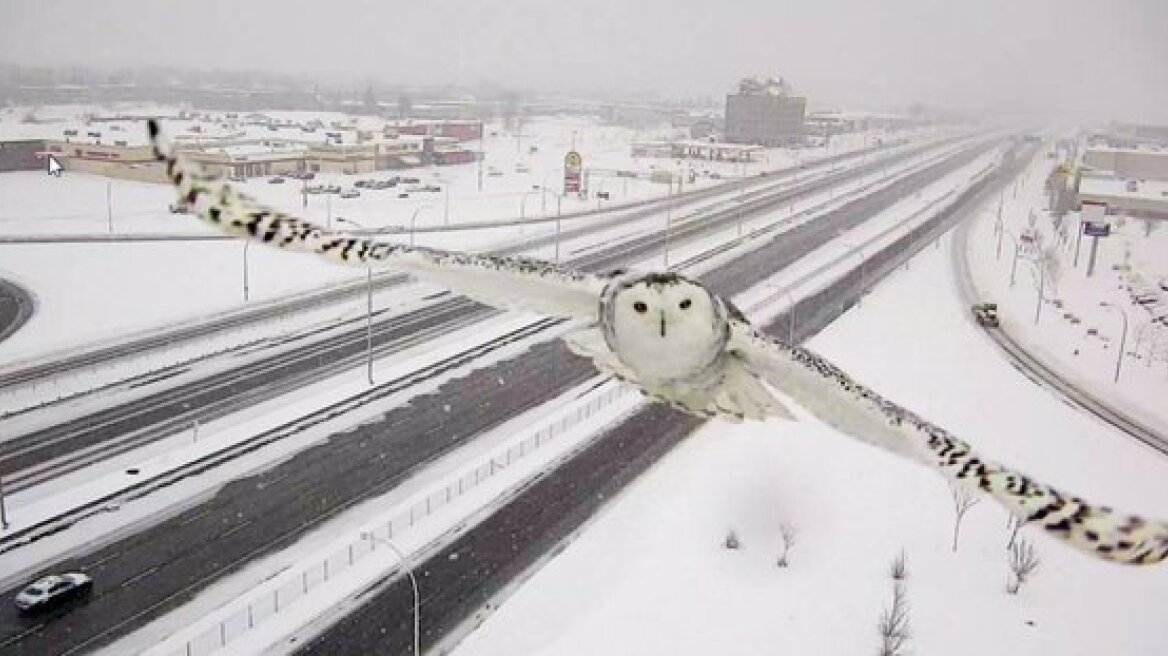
(651,576)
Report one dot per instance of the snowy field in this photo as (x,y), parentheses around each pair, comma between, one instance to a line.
(1074,334)
(651,575)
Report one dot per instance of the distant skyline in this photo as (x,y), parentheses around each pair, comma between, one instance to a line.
(1076,58)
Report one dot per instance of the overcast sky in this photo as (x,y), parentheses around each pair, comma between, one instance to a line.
(1102,58)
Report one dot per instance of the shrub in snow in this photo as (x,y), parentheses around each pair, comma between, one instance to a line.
(899,569)
(732,541)
(894,624)
(1013,523)
(790,534)
(963,500)
(1023,561)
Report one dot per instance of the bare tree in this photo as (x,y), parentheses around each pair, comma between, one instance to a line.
(899,569)
(790,535)
(1023,561)
(963,500)
(1013,523)
(732,541)
(894,624)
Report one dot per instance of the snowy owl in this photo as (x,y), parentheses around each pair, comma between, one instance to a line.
(681,344)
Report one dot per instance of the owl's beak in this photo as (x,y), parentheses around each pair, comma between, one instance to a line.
(663,324)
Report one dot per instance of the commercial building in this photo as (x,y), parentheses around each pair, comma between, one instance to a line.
(1149,163)
(1146,199)
(240,151)
(22,155)
(766,113)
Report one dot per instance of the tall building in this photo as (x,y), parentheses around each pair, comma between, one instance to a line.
(764,112)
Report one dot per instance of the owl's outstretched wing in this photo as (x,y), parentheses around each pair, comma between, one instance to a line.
(503,282)
(843,403)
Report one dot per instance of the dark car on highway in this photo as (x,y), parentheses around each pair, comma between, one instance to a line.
(986,314)
(52,591)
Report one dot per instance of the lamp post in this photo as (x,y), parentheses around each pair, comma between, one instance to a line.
(856,250)
(1017,252)
(413,220)
(792,309)
(1152,346)
(368,310)
(373,540)
(246,289)
(668,218)
(523,204)
(543,197)
(1039,272)
(1122,339)
(999,227)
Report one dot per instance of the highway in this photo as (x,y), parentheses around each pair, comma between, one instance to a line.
(169,336)
(1041,373)
(144,575)
(64,447)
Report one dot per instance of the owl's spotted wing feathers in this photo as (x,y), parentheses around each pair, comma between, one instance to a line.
(841,402)
(509,282)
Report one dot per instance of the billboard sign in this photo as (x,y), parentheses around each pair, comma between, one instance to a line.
(573,171)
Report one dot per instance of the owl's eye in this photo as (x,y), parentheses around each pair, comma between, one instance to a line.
(684,304)
(640,307)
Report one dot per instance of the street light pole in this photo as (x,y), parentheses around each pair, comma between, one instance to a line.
(368,312)
(1122,339)
(523,205)
(3,510)
(413,219)
(793,309)
(668,218)
(1152,346)
(1041,290)
(109,207)
(856,250)
(1014,263)
(246,290)
(373,540)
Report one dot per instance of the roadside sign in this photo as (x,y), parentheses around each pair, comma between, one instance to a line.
(573,167)
(1094,229)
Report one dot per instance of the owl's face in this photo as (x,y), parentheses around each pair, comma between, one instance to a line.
(664,325)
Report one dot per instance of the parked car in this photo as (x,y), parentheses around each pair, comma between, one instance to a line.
(52,591)
(986,314)
(276,180)
(331,189)
(179,208)
(350,193)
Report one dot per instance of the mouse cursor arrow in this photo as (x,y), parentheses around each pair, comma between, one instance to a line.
(55,167)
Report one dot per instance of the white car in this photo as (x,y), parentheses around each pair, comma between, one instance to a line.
(53,590)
